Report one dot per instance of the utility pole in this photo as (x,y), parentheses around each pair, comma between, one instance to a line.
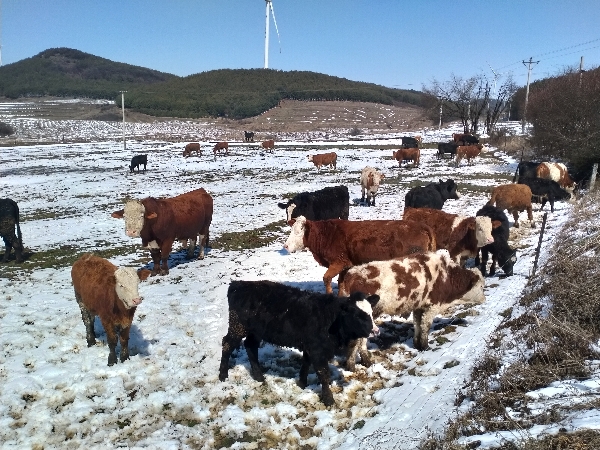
(580,70)
(529,63)
(440,125)
(123,107)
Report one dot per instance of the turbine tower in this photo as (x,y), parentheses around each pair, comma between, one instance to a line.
(270,7)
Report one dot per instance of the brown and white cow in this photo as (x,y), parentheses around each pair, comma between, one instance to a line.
(268,145)
(462,236)
(111,293)
(324,159)
(422,284)
(407,154)
(514,198)
(467,151)
(159,222)
(340,244)
(221,147)
(192,147)
(370,179)
(556,172)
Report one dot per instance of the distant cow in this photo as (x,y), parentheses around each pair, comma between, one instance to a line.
(543,190)
(137,161)
(317,324)
(556,172)
(465,139)
(462,236)
(423,284)
(526,169)
(159,222)
(514,198)
(327,203)
(467,151)
(9,219)
(111,293)
(407,154)
(446,147)
(324,159)
(268,145)
(370,179)
(249,136)
(410,142)
(501,252)
(221,147)
(192,147)
(341,244)
(432,195)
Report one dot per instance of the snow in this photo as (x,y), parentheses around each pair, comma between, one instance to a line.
(57,393)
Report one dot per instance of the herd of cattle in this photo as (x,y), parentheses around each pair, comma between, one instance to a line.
(415,265)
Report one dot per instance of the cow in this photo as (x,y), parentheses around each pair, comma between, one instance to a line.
(446,147)
(514,198)
(407,154)
(249,136)
(9,219)
(341,244)
(268,145)
(543,190)
(192,147)
(467,151)
(409,142)
(424,284)
(419,139)
(137,161)
(556,172)
(221,147)
(327,203)
(159,222)
(465,139)
(432,195)
(315,323)
(324,159)
(501,252)
(525,169)
(111,293)
(370,179)
(462,236)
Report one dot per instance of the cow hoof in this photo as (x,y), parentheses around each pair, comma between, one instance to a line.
(302,384)
(91,343)
(328,399)
(112,361)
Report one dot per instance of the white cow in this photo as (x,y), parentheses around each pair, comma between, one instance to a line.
(369,183)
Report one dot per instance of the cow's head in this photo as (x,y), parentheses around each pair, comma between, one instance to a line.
(483,230)
(355,319)
(134,214)
(295,241)
(310,158)
(127,280)
(448,189)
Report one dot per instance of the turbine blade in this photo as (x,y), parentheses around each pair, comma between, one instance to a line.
(275,22)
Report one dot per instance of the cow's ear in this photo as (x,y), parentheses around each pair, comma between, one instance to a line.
(143,274)
(496,223)
(152,216)
(118,214)
(282,205)
(373,299)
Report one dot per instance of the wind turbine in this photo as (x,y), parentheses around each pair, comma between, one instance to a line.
(270,7)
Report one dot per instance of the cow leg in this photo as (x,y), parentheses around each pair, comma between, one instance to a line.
(230,342)
(362,195)
(422,320)
(372,200)
(493,266)
(155,254)
(18,251)
(484,260)
(331,272)
(111,337)
(201,239)
(124,338)
(516,218)
(165,250)
(7,249)
(341,287)
(88,321)
(365,356)
(530,216)
(191,248)
(321,366)
(252,343)
(304,368)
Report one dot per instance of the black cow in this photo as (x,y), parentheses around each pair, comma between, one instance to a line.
(327,203)
(249,136)
(317,324)
(526,170)
(409,142)
(137,161)
(431,196)
(446,147)
(502,254)
(468,139)
(543,190)
(9,218)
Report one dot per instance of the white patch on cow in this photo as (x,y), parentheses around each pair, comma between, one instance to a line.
(483,230)
(555,171)
(476,294)
(154,244)
(457,221)
(127,282)
(295,241)
(289,210)
(366,307)
(134,218)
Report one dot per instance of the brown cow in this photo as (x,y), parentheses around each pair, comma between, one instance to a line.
(192,147)
(514,198)
(407,154)
(458,137)
(111,293)
(221,147)
(467,151)
(423,284)
(556,172)
(340,244)
(268,145)
(159,222)
(462,236)
(324,159)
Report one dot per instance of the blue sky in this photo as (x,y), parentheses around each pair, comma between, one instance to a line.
(395,43)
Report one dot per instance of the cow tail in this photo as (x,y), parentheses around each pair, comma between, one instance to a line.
(19,237)
(515,178)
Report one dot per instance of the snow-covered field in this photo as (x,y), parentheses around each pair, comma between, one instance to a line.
(57,393)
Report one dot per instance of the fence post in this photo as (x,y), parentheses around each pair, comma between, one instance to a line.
(593,177)
(539,246)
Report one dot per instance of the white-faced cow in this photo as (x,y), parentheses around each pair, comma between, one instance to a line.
(502,254)
(370,179)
